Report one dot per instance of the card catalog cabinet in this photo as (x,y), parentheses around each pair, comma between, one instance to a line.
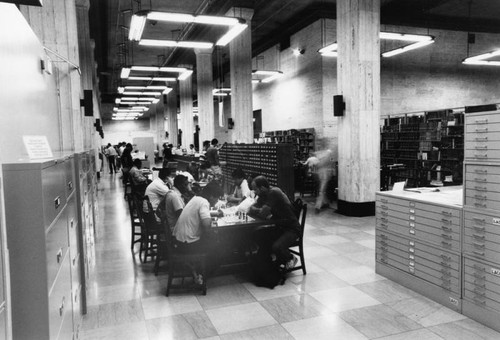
(40,222)
(481,234)
(418,245)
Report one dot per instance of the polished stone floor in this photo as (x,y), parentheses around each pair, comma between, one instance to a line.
(341,297)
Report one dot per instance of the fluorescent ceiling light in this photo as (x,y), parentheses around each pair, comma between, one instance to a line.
(221,92)
(480,59)
(407,48)
(236,26)
(156,101)
(417,39)
(125,72)
(145,68)
(133,93)
(173,69)
(185,75)
(270,75)
(137,24)
(151,87)
(233,33)
(173,43)
(167,90)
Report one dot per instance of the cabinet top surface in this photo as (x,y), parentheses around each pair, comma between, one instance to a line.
(36,164)
(452,196)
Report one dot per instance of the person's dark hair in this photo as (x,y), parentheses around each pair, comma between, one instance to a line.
(137,163)
(191,146)
(179,181)
(212,189)
(238,173)
(129,146)
(163,173)
(170,145)
(261,182)
(215,141)
(206,143)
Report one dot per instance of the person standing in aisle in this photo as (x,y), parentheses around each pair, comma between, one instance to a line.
(212,156)
(274,241)
(323,169)
(127,161)
(111,154)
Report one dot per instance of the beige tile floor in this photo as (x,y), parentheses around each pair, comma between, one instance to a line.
(341,297)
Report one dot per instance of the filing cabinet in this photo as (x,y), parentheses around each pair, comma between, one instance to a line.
(481,234)
(418,242)
(274,161)
(39,208)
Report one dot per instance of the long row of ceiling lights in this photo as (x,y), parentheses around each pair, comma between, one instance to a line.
(132,108)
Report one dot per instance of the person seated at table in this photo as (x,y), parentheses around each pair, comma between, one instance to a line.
(275,241)
(192,231)
(157,190)
(174,202)
(241,189)
(139,181)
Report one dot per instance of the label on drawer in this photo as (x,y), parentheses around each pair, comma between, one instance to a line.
(412,211)
(453,301)
(411,224)
(411,257)
(412,231)
(495,271)
(412,218)
(496,220)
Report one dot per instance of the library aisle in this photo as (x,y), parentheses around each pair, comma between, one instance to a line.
(341,297)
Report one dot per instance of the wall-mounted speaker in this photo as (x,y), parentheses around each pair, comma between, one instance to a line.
(230,123)
(338,106)
(97,124)
(87,103)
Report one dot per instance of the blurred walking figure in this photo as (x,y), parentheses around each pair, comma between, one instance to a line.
(322,163)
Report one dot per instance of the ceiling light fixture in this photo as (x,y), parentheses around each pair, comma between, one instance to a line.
(417,39)
(125,73)
(137,24)
(269,75)
(134,93)
(221,92)
(480,59)
(185,75)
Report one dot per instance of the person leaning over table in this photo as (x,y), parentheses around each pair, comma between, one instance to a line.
(192,231)
(241,190)
(275,241)
(174,202)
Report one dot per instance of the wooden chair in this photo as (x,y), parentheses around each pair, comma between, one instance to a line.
(298,247)
(151,228)
(135,222)
(179,267)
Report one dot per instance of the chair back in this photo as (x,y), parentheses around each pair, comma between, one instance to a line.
(301,212)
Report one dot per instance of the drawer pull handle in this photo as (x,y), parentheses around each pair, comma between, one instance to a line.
(480,197)
(480,220)
(476,300)
(448,237)
(478,267)
(479,277)
(383,200)
(59,255)
(384,219)
(384,248)
(444,264)
(383,243)
(479,294)
(384,213)
(446,244)
(480,179)
(479,171)
(481,121)
(478,245)
(444,220)
(480,229)
(481,188)
(444,257)
(482,130)
(383,225)
(479,253)
(485,139)
(61,308)
(445,280)
(57,202)
(481,285)
(447,213)
(479,237)
(384,207)
(480,205)
(446,229)
(480,156)
(481,147)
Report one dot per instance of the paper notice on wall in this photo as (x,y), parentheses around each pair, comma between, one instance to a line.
(37,147)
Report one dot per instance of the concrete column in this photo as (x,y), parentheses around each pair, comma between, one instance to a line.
(171,113)
(358,80)
(240,54)
(204,84)
(186,105)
